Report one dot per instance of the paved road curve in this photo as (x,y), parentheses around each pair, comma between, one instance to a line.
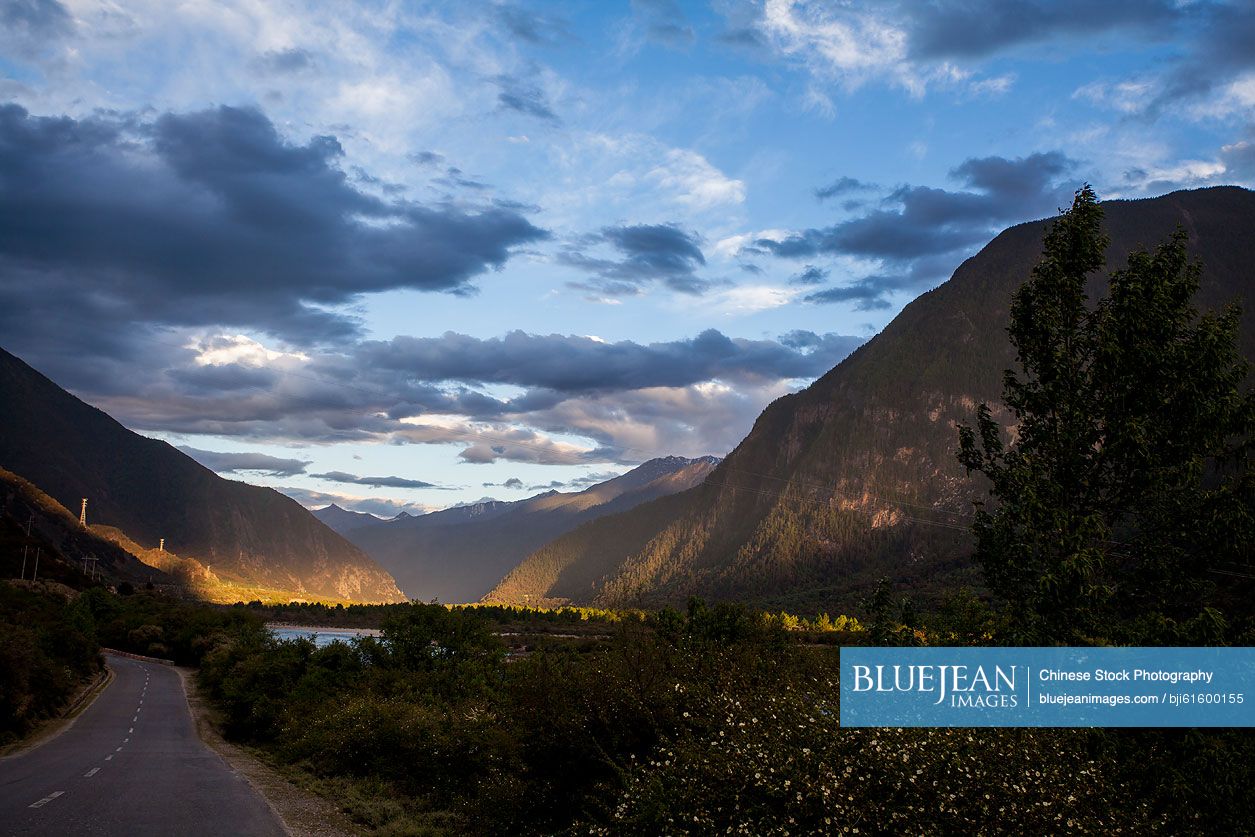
(131,765)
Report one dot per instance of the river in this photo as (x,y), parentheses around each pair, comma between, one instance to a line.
(320,636)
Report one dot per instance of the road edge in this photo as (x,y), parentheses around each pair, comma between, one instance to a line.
(49,729)
(300,811)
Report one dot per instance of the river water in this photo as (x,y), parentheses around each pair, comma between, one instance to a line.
(320,636)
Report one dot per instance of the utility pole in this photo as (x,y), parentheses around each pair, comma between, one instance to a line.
(82,514)
(35,574)
(24,548)
(28,524)
(162,546)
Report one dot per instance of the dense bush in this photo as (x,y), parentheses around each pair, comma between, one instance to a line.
(709,720)
(47,649)
(144,623)
(715,719)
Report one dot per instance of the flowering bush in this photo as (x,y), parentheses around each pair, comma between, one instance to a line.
(779,763)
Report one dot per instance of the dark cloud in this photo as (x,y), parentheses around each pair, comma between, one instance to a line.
(222,378)
(524,98)
(533,27)
(454,177)
(439,390)
(842,186)
(978,28)
(426,158)
(919,232)
(376,482)
(234,463)
(29,26)
(868,293)
(810,275)
(572,364)
(284,61)
(595,478)
(513,483)
(1220,51)
(649,253)
(1214,38)
(212,218)
(511,444)
(552,485)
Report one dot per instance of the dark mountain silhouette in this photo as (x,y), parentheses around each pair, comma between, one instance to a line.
(148,490)
(458,554)
(855,476)
(343,520)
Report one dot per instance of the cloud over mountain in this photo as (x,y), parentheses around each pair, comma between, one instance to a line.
(916,232)
(234,463)
(374,482)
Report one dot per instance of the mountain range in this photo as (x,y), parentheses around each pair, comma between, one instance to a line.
(458,554)
(147,490)
(855,477)
(342,520)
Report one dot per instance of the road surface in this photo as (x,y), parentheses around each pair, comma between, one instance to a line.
(131,764)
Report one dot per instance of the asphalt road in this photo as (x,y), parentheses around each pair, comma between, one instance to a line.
(131,764)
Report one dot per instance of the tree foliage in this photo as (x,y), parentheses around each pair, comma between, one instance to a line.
(1128,479)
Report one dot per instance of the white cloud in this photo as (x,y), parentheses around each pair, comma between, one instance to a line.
(226,349)
(750,299)
(634,175)
(1237,98)
(996,86)
(695,182)
(836,40)
(730,247)
(1125,96)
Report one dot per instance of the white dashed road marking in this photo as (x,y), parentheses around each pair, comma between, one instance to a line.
(109,757)
(41,803)
(91,773)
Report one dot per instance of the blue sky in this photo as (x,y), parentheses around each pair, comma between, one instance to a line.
(405,255)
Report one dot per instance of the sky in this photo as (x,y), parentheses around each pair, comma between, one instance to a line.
(402,255)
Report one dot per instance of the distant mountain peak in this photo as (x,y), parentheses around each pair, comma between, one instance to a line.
(457,554)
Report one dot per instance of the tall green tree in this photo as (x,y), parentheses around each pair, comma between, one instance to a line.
(1128,478)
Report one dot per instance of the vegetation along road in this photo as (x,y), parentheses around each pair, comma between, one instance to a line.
(130,764)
